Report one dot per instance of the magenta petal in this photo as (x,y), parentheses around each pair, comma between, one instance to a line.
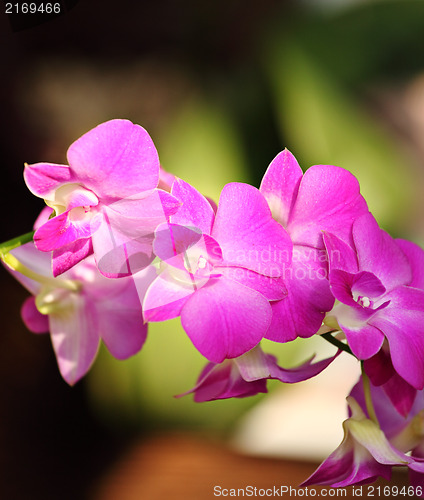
(121,322)
(301,313)
(365,340)
(60,231)
(166,179)
(379,254)
(379,368)
(195,211)
(43,179)
(122,246)
(401,394)
(43,217)
(340,255)
(66,257)
(172,240)
(115,159)
(256,365)
(402,323)
(328,200)
(271,288)
(152,209)
(75,338)
(415,255)
(280,185)
(248,235)
(33,319)
(223,381)
(31,257)
(225,319)
(345,286)
(166,296)
(334,469)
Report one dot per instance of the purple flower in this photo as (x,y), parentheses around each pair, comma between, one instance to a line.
(325,198)
(378,284)
(364,454)
(80,308)
(247,375)
(381,373)
(105,201)
(219,272)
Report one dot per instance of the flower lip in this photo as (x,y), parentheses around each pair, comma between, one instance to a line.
(70,196)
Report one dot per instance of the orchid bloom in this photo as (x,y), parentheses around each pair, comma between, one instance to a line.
(325,198)
(79,308)
(247,375)
(364,454)
(106,201)
(404,432)
(378,284)
(219,272)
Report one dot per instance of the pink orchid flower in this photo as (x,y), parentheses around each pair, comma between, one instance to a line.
(248,374)
(378,284)
(219,272)
(371,448)
(105,201)
(364,454)
(80,308)
(325,198)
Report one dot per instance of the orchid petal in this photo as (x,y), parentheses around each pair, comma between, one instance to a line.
(64,258)
(166,180)
(116,159)
(256,364)
(280,185)
(415,255)
(379,254)
(402,324)
(121,322)
(122,246)
(340,255)
(195,211)
(152,208)
(356,331)
(75,338)
(223,381)
(30,257)
(43,217)
(225,319)
(328,200)
(271,288)
(33,319)
(62,230)
(345,286)
(401,394)
(248,235)
(301,313)
(166,296)
(42,179)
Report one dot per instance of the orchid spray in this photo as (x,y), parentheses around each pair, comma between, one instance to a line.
(123,243)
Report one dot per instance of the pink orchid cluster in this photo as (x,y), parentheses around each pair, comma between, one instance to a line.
(123,243)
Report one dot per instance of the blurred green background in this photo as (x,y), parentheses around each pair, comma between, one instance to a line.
(222,87)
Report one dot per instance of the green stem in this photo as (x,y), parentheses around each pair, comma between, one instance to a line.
(7,246)
(368,399)
(340,345)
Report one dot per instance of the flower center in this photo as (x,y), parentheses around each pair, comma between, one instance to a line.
(75,198)
(364,301)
